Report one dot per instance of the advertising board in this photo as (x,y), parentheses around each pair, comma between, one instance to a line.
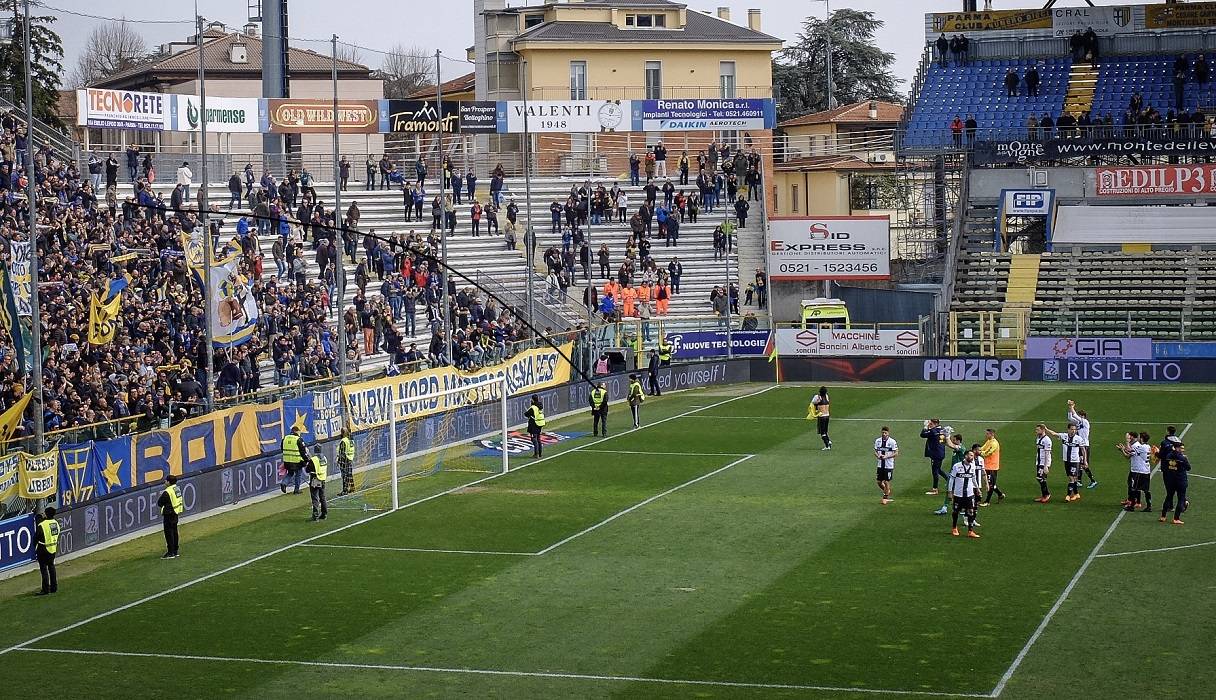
(1055,348)
(122,109)
(1155,180)
(564,116)
(308,116)
(829,248)
(16,541)
(692,344)
(841,342)
(225,115)
(701,115)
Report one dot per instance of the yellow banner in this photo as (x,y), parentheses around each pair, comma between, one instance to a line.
(368,403)
(39,474)
(103,319)
(1191,15)
(10,475)
(10,420)
(220,437)
(991,21)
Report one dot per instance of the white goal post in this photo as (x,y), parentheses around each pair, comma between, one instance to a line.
(486,401)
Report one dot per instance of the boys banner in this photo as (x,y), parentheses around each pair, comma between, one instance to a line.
(368,404)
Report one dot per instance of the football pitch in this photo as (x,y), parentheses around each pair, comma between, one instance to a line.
(717,553)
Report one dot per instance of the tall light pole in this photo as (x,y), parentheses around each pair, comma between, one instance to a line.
(530,230)
(31,203)
(340,268)
(208,244)
(443,222)
(828,35)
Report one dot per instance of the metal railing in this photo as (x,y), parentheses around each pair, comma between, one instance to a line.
(44,134)
(1168,42)
(786,148)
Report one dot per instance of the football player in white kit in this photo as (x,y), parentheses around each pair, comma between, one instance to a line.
(885,451)
(1080,419)
(1042,461)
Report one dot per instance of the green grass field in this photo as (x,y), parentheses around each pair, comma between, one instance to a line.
(716,553)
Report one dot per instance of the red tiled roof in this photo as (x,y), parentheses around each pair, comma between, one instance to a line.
(216,48)
(465,83)
(858,112)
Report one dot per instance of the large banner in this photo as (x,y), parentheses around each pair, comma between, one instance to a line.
(22,277)
(1049,348)
(225,115)
(1019,152)
(1104,21)
(319,412)
(290,116)
(1155,180)
(369,403)
(1193,15)
(703,115)
(10,476)
(564,116)
(829,248)
(79,479)
(843,342)
(38,474)
(123,109)
(989,21)
(16,541)
(234,310)
(688,345)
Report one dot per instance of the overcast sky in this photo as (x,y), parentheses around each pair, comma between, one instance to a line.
(448,25)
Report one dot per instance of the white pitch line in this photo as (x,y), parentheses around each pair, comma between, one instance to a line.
(994,421)
(307,540)
(419,549)
(1038,632)
(499,672)
(1201,476)
(672,454)
(1159,549)
(634,507)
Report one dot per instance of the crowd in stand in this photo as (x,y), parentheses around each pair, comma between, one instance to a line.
(93,230)
(1138,120)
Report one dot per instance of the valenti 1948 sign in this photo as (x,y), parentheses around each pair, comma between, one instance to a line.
(829,248)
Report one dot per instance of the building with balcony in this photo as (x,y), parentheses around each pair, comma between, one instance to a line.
(618,50)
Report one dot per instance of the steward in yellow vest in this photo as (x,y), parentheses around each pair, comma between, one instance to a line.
(536,425)
(318,471)
(598,398)
(295,453)
(46,540)
(171,507)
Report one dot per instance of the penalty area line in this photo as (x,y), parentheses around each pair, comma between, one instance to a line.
(1159,549)
(1038,632)
(418,549)
(556,675)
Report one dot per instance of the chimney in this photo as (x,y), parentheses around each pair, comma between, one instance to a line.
(753,20)
(251,29)
(724,14)
(873,110)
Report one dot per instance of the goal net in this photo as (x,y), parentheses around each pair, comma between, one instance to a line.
(455,430)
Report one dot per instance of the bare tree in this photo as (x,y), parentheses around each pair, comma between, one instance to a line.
(111,48)
(407,70)
(350,54)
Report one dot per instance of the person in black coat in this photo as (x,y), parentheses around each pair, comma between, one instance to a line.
(1032,81)
(741,207)
(943,49)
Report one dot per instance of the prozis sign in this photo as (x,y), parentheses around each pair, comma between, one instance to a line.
(829,247)
(1156,180)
